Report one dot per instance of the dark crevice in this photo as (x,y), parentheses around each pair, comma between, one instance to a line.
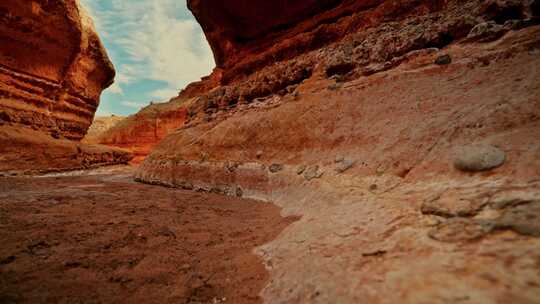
(501,14)
(443,40)
(340,69)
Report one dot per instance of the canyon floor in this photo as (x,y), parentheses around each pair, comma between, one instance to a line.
(102,238)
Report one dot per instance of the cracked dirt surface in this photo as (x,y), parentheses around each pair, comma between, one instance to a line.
(105,239)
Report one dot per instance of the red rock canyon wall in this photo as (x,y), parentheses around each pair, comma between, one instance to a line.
(53,69)
(404,133)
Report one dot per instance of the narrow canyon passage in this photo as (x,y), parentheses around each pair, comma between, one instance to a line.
(105,239)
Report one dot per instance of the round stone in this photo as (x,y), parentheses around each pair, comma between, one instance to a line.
(477,158)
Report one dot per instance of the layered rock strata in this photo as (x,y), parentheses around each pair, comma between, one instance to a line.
(139,133)
(408,142)
(53,69)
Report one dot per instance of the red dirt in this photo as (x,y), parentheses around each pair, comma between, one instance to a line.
(105,239)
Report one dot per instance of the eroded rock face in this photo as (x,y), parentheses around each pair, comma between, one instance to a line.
(53,69)
(363,126)
(235,25)
(53,66)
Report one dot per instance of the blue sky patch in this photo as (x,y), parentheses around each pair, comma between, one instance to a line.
(156,46)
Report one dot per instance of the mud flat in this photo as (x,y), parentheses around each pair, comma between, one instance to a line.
(101,238)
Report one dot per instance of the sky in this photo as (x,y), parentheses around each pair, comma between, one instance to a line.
(156,46)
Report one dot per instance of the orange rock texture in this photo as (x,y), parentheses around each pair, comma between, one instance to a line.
(404,133)
(53,69)
(140,132)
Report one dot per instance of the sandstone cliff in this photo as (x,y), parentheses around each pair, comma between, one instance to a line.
(53,68)
(405,133)
(140,132)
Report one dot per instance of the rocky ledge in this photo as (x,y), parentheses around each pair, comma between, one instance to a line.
(404,133)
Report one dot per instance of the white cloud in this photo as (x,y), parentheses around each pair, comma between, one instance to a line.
(164,94)
(159,45)
(132,104)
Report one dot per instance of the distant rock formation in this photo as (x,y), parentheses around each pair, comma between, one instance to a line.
(100,125)
(140,132)
(53,69)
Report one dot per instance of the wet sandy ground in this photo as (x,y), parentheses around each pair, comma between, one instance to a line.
(105,239)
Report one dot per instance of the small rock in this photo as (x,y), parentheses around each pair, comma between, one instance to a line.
(457,230)
(274,168)
(443,60)
(335,86)
(453,204)
(431,221)
(291,88)
(344,165)
(381,169)
(312,173)
(523,219)
(300,169)
(187,186)
(373,187)
(259,154)
(376,68)
(486,31)
(338,78)
(477,158)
